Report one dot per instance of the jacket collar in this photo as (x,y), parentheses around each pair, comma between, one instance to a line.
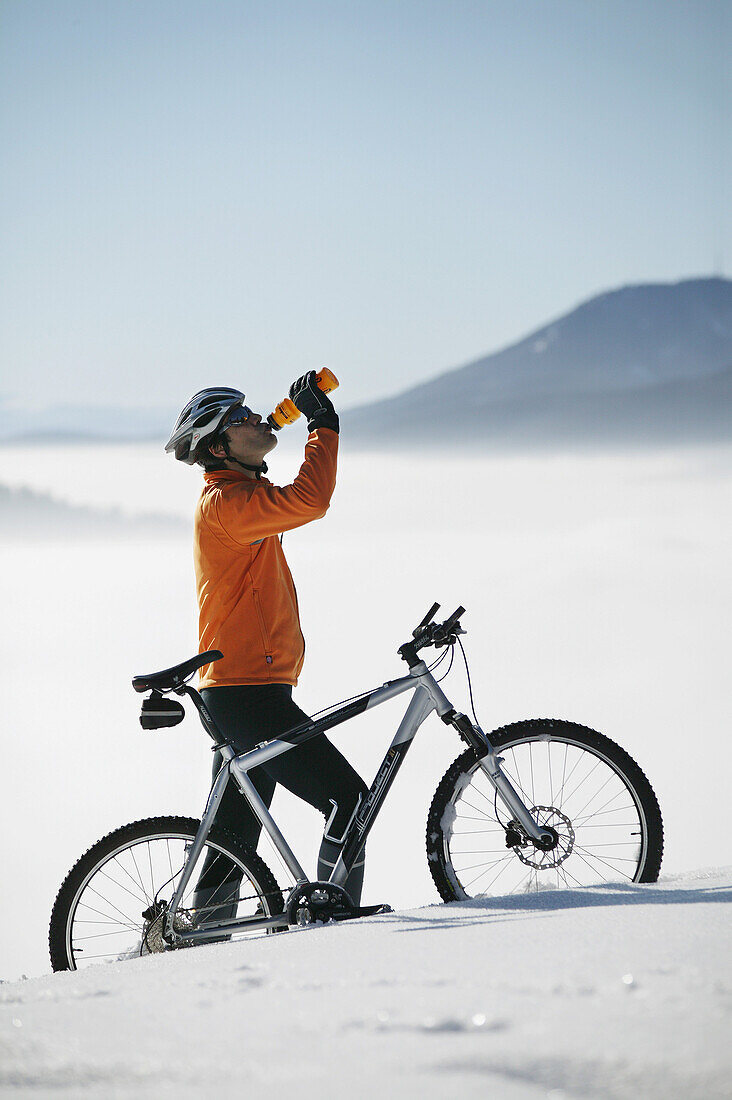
(211,477)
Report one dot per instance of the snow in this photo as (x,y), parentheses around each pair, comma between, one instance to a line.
(598,589)
(619,991)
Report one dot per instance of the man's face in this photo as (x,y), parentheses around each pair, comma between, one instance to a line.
(249,440)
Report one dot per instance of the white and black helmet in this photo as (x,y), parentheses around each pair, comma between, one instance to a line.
(201,418)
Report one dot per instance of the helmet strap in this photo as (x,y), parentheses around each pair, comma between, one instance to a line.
(257,470)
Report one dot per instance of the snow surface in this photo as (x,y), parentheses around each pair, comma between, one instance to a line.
(619,991)
(598,589)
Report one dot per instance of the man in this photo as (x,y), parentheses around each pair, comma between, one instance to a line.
(249,611)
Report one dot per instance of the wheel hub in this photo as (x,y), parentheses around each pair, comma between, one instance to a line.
(153,940)
(556,848)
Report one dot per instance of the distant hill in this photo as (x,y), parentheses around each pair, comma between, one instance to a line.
(26,514)
(644,364)
(647,364)
(59,424)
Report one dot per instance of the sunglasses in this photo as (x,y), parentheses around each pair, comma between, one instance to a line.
(239,415)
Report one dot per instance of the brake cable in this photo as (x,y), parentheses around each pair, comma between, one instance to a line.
(467,673)
(475,716)
(363,694)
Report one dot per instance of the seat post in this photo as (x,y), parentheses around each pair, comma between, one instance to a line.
(205,715)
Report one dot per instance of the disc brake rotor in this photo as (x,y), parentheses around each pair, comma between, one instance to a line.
(552,818)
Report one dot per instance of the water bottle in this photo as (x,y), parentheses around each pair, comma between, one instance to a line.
(287,412)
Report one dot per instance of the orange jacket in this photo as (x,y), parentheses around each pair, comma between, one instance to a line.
(247,601)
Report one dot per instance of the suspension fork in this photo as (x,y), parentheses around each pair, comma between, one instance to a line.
(490,764)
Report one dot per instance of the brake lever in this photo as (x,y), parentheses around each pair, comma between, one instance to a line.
(426,620)
(447,632)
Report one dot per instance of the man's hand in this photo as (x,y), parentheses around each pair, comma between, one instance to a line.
(313,403)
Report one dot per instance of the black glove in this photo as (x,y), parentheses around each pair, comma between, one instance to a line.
(313,403)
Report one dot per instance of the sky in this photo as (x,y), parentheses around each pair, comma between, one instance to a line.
(230,193)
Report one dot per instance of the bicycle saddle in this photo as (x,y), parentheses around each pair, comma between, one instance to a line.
(171,678)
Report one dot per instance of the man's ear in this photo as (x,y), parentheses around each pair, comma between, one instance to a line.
(217,449)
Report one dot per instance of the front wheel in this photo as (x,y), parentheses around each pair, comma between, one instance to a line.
(580,785)
(110,905)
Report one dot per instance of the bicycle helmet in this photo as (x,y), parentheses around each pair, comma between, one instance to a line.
(201,418)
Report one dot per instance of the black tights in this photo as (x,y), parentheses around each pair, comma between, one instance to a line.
(315,771)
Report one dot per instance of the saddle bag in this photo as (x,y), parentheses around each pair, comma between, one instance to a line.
(158,712)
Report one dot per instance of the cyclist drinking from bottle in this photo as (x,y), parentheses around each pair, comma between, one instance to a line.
(248,610)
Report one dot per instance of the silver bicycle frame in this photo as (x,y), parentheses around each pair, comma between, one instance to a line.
(428,697)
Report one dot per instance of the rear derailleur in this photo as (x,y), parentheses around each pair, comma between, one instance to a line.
(154,936)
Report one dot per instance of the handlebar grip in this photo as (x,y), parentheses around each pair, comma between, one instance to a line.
(450,623)
(428,617)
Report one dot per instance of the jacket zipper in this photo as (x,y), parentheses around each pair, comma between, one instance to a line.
(263,628)
(297,609)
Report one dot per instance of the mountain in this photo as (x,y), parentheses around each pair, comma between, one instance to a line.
(644,364)
(647,364)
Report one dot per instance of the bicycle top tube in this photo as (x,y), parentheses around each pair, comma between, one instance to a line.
(427,633)
(296,735)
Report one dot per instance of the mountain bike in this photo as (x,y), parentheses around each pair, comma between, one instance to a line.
(538,804)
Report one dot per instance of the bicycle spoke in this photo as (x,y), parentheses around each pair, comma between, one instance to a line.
(573,788)
(476,832)
(615,870)
(582,782)
(126,889)
(99,936)
(477,810)
(108,902)
(152,877)
(516,782)
(486,867)
(124,870)
(131,927)
(497,876)
(549,764)
(488,798)
(602,810)
(568,874)
(517,776)
(478,852)
(97,922)
(618,859)
(613,844)
(571,773)
(597,792)
(132,855)
(531,762)
(106,955)
(466,817)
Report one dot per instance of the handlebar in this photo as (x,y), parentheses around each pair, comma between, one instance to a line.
(431,633)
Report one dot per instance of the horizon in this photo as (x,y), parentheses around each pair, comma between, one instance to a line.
(71,433)
(389,191)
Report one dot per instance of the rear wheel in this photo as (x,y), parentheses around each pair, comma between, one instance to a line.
(591,796)
(110,904)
